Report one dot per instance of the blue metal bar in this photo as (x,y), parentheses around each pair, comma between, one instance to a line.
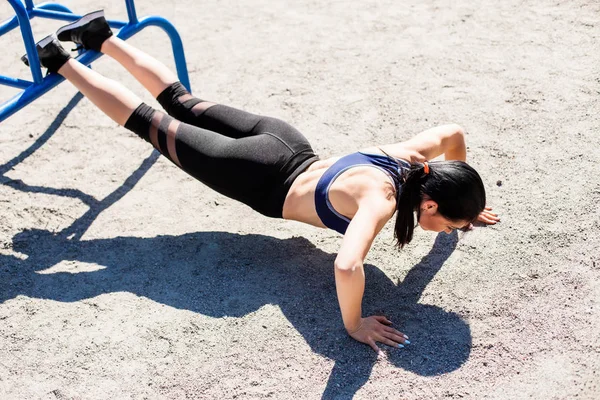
(41,86)
(28,95)
(54,7)
(33,92)
(131,13)
(8,25)
(36,12)
(54,14)
(23,17)
(52,11)
(14,82)
(12,23)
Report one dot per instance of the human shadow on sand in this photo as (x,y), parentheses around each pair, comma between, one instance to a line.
(224,274)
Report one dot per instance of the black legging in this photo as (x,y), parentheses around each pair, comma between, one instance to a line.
(246,157)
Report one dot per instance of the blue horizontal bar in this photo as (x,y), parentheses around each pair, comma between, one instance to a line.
(14,82)
(13,22)
(9,25)
(54,7)
(65,16)
(34,92)
(28,95)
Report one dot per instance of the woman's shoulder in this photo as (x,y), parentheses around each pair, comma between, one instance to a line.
(322,164)
(406,155)
(396,151)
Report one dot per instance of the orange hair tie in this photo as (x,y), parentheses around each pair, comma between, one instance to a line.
(426,167)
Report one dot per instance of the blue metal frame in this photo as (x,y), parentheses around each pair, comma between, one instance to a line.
(41,85)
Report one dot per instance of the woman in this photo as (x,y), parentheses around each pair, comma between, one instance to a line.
(268,165)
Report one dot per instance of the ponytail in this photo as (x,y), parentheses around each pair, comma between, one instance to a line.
(409,200)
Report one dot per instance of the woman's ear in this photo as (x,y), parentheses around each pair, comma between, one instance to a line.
(429,207)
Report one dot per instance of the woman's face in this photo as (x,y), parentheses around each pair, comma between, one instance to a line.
(431,220)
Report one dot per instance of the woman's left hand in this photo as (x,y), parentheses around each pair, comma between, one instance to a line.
(378,328)
(488,217)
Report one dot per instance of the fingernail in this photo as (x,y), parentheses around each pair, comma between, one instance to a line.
(405,337)
(401,346)
(407,342)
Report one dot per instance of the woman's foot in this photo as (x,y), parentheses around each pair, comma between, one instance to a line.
(51,53)
(90,31)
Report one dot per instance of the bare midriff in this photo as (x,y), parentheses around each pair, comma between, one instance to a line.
(299,203)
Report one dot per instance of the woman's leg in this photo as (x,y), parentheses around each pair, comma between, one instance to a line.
(159,80)
(173,96)
(124,107)
(92,31)
(177,101)
(111,97)
(151,73)
(256,170)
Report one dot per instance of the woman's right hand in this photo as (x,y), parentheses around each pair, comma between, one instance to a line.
(378,329)
(488,217)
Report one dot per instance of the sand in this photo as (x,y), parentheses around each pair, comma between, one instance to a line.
(123,278)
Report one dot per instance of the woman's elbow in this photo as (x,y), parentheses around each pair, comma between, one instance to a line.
(456,148)
(458,130)
(457,134)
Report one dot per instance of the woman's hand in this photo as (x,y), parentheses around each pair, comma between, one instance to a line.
(488,217)
(377,329)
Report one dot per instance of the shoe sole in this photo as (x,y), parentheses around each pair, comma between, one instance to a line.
(81,21)
(47,40)
(41,44)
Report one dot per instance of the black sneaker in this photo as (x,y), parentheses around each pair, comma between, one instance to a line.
(51,53)
(90,31)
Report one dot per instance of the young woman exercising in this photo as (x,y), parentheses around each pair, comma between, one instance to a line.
(270,166)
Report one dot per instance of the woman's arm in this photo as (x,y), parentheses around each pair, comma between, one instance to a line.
(448,140)
(350,278)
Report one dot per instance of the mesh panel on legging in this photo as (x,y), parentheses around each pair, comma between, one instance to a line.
(157,128)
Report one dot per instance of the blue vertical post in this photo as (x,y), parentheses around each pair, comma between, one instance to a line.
(131,14)
(23,18)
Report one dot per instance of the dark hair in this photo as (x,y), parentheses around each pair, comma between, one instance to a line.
(454,185)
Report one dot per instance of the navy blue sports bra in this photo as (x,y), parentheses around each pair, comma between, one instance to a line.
(331,218)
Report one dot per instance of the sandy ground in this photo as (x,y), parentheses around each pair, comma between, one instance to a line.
(121,277)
